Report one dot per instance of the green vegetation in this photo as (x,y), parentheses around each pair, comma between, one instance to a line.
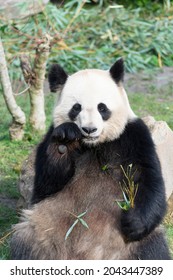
(92,36)
(159,106)
(87,36)
(169,229)
(78,219)
(128,187)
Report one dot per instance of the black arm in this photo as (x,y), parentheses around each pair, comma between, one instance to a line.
(54,169)
(150,202)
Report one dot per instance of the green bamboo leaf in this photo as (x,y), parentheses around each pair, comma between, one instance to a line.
(126,199)
(70,229)
(123,205)
(81,215)
(84,223)
(104,167)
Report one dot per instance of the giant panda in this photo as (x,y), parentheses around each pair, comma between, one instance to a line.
(77,204)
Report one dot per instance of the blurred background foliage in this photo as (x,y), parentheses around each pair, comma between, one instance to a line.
(93,33)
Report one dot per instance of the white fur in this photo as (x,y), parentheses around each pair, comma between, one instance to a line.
(89,88)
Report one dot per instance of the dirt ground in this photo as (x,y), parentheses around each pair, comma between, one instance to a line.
(144,82)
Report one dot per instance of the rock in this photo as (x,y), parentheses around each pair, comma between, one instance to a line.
(163,138)
(14,9)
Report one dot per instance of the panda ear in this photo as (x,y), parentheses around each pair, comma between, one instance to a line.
(117,71)
(56,77)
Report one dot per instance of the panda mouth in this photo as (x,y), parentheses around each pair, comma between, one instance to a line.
(90,138)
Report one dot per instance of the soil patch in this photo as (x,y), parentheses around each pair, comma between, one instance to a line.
(145,82)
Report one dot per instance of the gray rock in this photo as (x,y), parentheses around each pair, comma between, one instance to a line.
(163,138)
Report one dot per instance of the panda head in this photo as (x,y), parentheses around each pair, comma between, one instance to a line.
(93,99)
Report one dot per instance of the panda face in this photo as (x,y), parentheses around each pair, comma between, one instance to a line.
(99,107)
(93,99)
(90,119)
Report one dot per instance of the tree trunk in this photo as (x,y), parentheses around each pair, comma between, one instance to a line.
(34,77)
(18,117)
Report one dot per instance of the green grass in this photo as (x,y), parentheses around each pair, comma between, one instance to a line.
(8,217)
(154,105)
(157,103)
(169,232)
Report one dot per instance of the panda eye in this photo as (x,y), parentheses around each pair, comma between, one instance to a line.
(75,110)
(104,111)
(76,107)
(102,107)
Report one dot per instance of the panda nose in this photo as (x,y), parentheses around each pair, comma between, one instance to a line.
(89,130)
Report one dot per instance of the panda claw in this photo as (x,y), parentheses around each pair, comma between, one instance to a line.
(62,149)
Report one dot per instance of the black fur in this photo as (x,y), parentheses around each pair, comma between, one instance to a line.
(150,204)
(154,247)
(75,110)
(56,77)
(135,146)
(104,111)
(117,71)
(53,170)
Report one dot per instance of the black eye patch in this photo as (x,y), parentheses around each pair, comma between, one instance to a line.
(75,110)
(104,111)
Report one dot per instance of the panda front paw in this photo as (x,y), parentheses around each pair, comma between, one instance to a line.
(133,227)
(66,132)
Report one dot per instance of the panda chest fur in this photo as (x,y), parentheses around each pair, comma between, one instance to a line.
(96,181)
(94,191)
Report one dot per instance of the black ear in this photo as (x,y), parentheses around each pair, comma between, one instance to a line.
(56,77)
(117,70)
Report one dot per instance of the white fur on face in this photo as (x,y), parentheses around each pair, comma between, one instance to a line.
(89,88)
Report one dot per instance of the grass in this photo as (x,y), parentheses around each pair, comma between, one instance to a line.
(169,230)
(156,103)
